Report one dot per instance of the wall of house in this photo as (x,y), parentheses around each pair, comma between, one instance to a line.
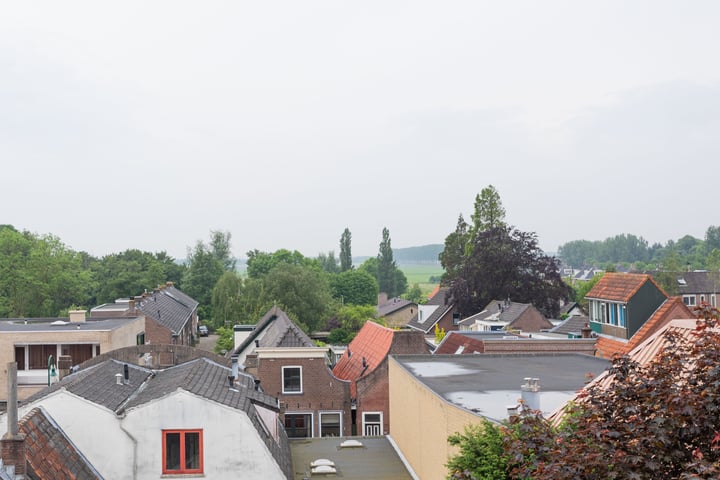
(155,332)
(373,396)
(401,317)
(446,322)
(642,305)
(107,340)
(231,444)
(322,391)
(421,423)
(92,428)
(531,320)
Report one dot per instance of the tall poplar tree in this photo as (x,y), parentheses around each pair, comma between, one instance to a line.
(345,251)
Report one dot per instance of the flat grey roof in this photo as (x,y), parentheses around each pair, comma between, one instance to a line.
(376,459)
(46,324)
(487,384)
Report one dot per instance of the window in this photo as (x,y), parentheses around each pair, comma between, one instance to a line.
(292,379)
(78,352)
(689,300)
(182,451)
(20,357)
(39,355)
(298,425)
(330,424)
(456,318)
(140,338)
(372,424)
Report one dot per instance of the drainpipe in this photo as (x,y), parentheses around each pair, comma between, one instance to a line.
(135,446)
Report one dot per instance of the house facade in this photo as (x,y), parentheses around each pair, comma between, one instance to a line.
(171,315)
(438,311)
(365,365)
(620,303)
(314,402)
(396,312)
(697,288)
(507,316)
(180,422)
(40,345)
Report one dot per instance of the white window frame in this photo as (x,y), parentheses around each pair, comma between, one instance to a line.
(366,424)
(292,392)
(691,301)
(330,412)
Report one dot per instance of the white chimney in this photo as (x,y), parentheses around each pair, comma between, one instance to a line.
(531,393)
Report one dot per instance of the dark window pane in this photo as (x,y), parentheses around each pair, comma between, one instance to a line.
(172,451)
(192,451)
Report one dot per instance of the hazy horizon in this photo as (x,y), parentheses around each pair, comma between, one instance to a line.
(146,125)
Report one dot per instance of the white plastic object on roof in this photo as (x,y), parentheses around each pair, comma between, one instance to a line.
(351,444)
(322,462)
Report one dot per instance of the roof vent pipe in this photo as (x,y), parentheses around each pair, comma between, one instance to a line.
(118,379)
(126,373)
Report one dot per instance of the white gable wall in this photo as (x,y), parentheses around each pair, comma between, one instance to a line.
(231,445)
(92,428)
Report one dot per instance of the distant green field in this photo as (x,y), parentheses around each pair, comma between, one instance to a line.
(420,273)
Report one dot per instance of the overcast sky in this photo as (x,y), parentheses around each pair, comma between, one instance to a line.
(148,124)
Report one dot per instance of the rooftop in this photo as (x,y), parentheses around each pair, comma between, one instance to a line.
(375,459)
(487,384)
(61,324)
(619,287)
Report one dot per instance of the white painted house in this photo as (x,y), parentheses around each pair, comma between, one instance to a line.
(185,421)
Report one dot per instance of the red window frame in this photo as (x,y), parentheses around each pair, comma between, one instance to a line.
(182,470)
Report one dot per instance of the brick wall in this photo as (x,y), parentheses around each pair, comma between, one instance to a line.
(321,390)
(155,332)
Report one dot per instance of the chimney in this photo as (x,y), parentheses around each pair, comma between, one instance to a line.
(77,316)
(531,393)
(382,298)
(12,445)
(131,304)
(64,364)
(169,284)
(234,363)
(585,331)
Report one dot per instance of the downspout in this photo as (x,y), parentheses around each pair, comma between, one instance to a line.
(135,446)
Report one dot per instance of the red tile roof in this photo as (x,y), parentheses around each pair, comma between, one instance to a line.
(620,287)
(453,341)
(371,345)
(608,347)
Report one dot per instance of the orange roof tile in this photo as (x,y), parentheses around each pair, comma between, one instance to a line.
(608,347)
(371,345)
(619,287)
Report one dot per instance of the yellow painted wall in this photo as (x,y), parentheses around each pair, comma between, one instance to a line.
(421,422)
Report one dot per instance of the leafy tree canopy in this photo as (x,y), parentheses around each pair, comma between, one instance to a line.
(346,251)
(260,263)
(356,287)
(507,263)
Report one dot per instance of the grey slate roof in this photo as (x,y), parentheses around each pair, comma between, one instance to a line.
(698,282)
(498,310)
(280,331)
(169,306)
(444,302)
(571,325)
(392,305)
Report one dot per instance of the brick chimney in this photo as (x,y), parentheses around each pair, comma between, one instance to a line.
(12,444)
(586,331)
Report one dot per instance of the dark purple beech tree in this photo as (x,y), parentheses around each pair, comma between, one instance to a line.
(500,263)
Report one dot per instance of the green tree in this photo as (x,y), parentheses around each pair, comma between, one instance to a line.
(457,244)
(328,262)
(131,272)
(203,272)
(302,291)
(712,238)
(220,246)
(508,263)
(489,212)
(260,263)
(39,275)
(225,341)
(415,294)
(481,455)
(390,278)
(346,251)
(356,287)
(353,317)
